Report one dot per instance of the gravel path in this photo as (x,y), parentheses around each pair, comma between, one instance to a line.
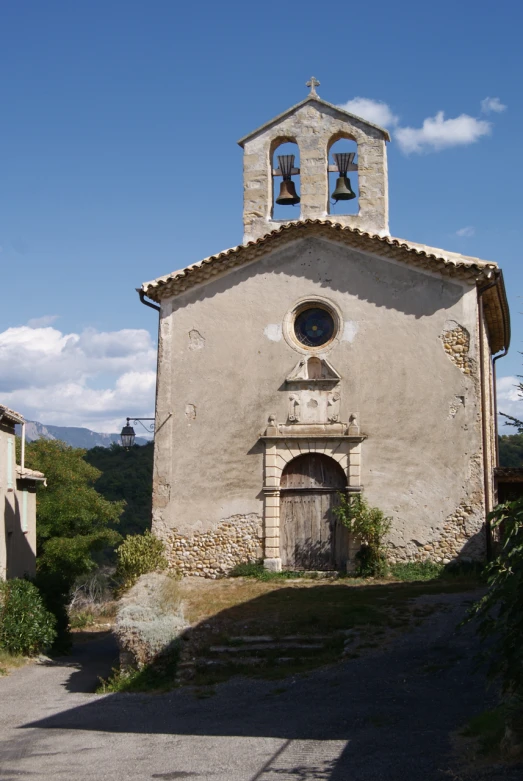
(385,717)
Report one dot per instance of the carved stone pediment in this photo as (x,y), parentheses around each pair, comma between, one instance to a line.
(313,372)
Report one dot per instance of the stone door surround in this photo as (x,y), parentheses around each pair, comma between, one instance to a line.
(339,441)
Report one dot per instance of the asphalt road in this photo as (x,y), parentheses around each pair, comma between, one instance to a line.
(386,717)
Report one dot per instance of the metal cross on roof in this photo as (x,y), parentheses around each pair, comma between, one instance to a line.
(313,83)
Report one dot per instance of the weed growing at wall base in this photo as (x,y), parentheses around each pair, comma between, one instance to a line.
(370,526)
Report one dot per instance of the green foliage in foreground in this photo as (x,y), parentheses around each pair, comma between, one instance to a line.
(137,555)
(499,611)
(370,526)
(73,522)
(126,475)
(26,627)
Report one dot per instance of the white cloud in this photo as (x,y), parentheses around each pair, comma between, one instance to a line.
(466,232)
(438,133)
(92,379)
(374,111)
(492,104)
(510,401)
(42,322)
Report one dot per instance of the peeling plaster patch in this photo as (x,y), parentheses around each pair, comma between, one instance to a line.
(196,340)
(456,343)
(456,403)
(350,329)
(190,412)
(273,331)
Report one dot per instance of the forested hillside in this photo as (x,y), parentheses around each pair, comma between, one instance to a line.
(511,450)
(126,474)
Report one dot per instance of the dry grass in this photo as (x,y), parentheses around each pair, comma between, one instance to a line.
(222,612)
(8,662)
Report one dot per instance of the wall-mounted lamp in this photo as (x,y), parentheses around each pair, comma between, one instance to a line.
(128,434)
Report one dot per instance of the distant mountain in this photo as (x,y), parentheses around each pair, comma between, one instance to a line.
(76,437)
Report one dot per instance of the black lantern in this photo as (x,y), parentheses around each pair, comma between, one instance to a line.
(127,435)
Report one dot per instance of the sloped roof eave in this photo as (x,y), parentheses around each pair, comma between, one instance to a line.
(471,270)
(385,246)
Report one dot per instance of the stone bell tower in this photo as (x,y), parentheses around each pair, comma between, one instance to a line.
(315,125)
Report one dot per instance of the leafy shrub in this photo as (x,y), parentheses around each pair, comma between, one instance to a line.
(150,619)
(26,627)
(499,611)
(137,555)
(370,525)
(501,619)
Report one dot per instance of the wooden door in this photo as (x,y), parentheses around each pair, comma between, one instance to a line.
(311,537)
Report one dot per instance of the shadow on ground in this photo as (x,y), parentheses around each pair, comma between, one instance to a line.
(93,658)
(384,717)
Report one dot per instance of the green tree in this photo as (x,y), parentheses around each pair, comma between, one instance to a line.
(126,474)
(73,521)
(511,450)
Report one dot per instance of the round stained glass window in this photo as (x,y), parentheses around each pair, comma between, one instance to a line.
(314,327)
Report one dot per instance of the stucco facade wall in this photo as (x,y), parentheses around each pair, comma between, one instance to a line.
(17,513)
(223,361)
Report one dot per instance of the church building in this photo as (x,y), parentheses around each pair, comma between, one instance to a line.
(323,356)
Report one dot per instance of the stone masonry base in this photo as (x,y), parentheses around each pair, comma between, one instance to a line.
(214,553)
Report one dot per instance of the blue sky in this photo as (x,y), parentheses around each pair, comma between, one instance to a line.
(119,162)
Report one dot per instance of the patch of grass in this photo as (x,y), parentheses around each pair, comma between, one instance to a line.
(10,662)
(255,569)
(489,729)
(82,619)
(412,571)
(153,678)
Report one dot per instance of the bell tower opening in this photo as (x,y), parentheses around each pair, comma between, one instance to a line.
(292,164)
(285,160)
(342,172)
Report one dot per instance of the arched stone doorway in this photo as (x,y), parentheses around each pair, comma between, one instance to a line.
(311,538)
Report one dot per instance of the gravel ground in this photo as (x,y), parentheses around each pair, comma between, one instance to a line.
(386,717)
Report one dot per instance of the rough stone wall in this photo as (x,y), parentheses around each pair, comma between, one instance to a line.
(214,553)
(456,343)
(462,538)
(315,127)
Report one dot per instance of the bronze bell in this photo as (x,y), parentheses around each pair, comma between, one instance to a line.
(343,191)
(288,195)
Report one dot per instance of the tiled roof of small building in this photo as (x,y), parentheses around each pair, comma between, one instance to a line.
(30,474)
(448,264)
(5,412)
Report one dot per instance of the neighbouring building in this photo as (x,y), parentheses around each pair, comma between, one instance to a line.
(18,502)
(321,356)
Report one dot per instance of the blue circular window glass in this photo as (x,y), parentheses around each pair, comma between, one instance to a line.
(314,327)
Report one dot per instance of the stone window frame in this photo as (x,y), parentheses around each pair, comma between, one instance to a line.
(279,451)
(312,302)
